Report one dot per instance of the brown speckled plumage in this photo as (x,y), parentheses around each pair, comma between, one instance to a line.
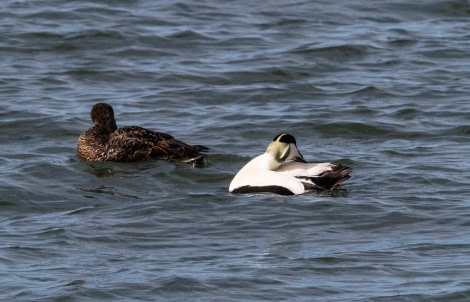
(105,142)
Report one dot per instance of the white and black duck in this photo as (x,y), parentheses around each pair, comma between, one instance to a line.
(283,170)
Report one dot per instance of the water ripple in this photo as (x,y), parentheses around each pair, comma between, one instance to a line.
(380,87)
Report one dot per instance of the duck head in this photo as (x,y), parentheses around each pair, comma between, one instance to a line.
(102,115)
(284,147)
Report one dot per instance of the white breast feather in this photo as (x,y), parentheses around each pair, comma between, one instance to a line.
(257,173)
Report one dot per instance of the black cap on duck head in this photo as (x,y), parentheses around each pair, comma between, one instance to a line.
(102,115)
(285,138)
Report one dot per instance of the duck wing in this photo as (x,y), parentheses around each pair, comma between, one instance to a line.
(327,180)
(134,143)
(142,133)
(317,176)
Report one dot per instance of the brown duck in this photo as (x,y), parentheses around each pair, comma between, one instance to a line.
(106,142)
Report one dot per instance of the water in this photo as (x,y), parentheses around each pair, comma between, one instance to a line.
(381,86)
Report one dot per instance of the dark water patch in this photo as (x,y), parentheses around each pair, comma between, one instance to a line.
(32,37)
(182,7)
(96,39)
(188,35)
(393,219)
(400,151)
(338,52)
(286,22)
(445,8)
(271,75)
(196,79)
(403,42)
(105,190)
(457,296)
(137,52)
(373,92)
(445,52)
(80,211)
(238,43)
(399,11)
(89,74)
(463,130)
(181,284)
(31,252)
(406,113)
(356,129)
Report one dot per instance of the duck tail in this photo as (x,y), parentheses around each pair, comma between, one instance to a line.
(200,148)
(195,157)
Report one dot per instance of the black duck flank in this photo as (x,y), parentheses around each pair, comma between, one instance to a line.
(106,142)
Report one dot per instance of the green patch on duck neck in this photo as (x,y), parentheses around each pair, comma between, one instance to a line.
(279,151)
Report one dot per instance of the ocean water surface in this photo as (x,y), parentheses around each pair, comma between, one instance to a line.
(380,86)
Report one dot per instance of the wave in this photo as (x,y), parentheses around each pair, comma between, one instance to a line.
(341,52)
(363,130)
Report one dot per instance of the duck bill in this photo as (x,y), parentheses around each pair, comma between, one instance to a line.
(295,154)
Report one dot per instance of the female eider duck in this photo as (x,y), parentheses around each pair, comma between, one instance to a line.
(283,170)
(106,142)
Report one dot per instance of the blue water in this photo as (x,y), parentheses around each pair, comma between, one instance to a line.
(380,86)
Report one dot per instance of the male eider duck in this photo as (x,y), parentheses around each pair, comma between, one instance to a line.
(106,142)
(283,170)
